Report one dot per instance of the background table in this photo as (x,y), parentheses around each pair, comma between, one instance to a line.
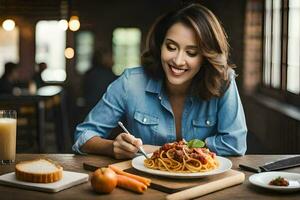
(45,99)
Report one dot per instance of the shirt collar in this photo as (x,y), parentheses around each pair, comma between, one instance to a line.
(154,86)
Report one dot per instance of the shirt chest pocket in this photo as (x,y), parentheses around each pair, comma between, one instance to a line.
(204,126)
(145,119)
(147,125)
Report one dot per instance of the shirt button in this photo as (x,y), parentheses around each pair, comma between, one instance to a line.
(145,119)
(159,97)
(207,122)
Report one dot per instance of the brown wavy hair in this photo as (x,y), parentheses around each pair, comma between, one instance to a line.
(212,78)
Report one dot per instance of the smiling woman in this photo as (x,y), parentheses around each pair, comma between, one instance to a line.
(185,85)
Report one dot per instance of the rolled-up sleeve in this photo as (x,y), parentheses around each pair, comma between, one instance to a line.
(232,129)
(104,116)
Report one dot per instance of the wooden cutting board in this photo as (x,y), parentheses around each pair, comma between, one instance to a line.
(171,185)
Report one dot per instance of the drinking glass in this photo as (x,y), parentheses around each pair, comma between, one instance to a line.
(8,131)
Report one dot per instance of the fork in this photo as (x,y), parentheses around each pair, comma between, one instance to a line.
(140,148)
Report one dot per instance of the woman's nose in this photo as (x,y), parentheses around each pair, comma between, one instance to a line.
(180,59)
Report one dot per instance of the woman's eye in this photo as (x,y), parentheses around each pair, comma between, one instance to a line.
(192,54)
(171,47)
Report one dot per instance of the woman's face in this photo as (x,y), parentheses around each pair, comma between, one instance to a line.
(180,55)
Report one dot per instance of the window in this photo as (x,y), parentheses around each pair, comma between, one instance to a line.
(126,48)
(9,47)
(272,43)
(85,48)
(267,38)
(281,53)
(293,69)
(50,47)
(276,44)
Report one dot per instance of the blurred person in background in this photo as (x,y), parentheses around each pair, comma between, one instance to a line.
(9,78)
(98,77)
(37,77)
(37,81)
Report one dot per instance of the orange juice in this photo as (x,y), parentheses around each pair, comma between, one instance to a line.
(8,129)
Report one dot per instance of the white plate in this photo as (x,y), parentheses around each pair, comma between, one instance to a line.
(138,163)
(68,180)
(263,179)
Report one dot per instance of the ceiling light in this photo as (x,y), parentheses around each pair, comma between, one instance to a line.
(63,24)
(74,23)
(8,25)
(69,52)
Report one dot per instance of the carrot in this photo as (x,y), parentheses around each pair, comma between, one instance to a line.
(141,179)
(130,184)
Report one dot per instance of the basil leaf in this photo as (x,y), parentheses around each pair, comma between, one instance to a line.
(196,143)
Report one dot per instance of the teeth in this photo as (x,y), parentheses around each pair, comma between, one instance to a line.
(177,71)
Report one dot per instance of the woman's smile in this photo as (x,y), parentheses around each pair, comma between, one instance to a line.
(176,71)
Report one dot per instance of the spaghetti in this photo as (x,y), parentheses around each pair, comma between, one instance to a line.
(178,157)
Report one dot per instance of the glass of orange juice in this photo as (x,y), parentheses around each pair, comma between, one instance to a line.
(8,132)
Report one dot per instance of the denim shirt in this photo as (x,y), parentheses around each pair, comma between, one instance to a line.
(142,101)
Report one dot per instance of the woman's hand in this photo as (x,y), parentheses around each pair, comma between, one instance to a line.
(126,146)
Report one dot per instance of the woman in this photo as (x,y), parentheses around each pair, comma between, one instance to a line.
(185,89)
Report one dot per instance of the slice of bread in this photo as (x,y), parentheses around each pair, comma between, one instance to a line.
(38,171)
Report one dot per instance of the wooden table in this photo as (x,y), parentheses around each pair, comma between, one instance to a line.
(74,163)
